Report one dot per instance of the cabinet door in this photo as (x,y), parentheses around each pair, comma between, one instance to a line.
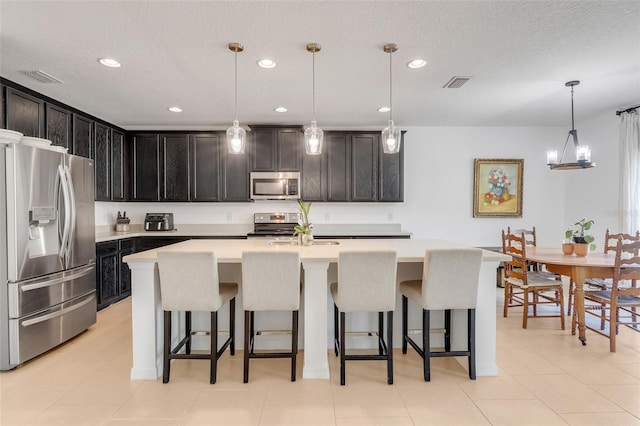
(144,148)
(289,150)
(102,154)
(58,126)
(364,167)
(205,167)
(107,273)
(118,167)
(338,166)
(25,113)
(391,173)
(265,146)
(313,185)
(82,136)
(174,158)
(126,248)
(235,176)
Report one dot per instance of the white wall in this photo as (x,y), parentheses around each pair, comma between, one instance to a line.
(439,187)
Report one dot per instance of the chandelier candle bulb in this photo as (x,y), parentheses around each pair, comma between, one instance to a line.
(552,157)
(583,153)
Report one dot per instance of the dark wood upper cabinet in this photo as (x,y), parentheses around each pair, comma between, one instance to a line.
(82,136)
(119,170)
(313,184)
(205,166)
(235,176)
(364,166)
(58,126)
(276,149)
(145,162)
(391,174)
(338,157)
(25,113)
(102,154)
(174,158)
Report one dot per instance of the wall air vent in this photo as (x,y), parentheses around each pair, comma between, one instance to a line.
(42,76)
(456,82)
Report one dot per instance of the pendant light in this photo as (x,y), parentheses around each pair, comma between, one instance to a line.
(391,133)
(313,135)
(236,135)
(583,154)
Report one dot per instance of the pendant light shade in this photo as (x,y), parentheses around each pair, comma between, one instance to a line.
(236,135)
(391,133)
(313,135)
(583,153)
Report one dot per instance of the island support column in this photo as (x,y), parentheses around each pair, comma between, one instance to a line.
(146,321)
(316,362)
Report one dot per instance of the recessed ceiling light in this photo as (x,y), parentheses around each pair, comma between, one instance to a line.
(384,109)
(280,109)
(175,109)
(266,63)
(108,62)
(417,63)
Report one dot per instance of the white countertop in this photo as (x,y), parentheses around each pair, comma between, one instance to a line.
(230,251)
(107,233)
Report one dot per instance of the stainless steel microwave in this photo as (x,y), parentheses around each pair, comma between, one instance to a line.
(275,185)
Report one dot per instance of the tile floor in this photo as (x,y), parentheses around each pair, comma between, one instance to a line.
(545,378)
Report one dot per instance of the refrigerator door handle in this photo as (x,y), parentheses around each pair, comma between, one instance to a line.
(56,314)
(72,202)
(67,217)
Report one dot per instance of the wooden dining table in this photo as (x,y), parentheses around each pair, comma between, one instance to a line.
(594,265)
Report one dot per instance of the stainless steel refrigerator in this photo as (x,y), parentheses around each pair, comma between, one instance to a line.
(47,250)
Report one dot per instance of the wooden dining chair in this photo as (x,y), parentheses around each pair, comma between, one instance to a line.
(524,288)
(610,244)
(616,305)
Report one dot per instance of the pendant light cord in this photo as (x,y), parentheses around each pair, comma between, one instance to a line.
(236,82)
(573,127)
(390,88)
(313,84)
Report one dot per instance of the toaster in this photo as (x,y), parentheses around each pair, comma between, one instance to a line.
(158,222)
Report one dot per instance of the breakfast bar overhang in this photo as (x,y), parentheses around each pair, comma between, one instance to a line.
(147,309)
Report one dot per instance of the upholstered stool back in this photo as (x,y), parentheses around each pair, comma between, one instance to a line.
(270,281)
(450,279)
(189,281)
(366,281)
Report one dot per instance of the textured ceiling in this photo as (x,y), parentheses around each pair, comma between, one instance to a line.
(519,53)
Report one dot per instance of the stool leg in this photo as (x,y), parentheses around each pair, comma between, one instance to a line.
(426,346)
(187,329)
(447,330)
(335,329)
(380,332)
(294,344)
(247,337)
(342,348)
(471,330)
(390,347)
(214,347)
(252,323)
(167,347)
(232,325)
(405,327)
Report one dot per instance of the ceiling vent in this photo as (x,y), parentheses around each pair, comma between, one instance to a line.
(42,76)
(456,82)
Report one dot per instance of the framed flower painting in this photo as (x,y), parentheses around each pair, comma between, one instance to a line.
(497,188)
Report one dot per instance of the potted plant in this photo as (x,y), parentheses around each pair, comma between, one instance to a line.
(304,229)
(582,242)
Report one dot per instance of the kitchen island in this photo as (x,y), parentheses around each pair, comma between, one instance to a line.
(318,262)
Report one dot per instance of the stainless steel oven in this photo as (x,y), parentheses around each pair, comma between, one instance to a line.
(275,185)
(274,225)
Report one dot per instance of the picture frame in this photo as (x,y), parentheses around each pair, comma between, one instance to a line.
(497,187)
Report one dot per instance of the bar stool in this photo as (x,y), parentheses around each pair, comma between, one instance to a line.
(270,282)
(449,281)
(189,282)
(366,283)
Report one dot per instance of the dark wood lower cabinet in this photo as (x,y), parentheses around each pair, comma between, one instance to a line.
(113,277)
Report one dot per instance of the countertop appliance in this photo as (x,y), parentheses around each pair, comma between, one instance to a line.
(275,185)
(158,222)
(270,225)
(47,250)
